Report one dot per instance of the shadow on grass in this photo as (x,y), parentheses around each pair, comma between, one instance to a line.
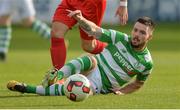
(18,96)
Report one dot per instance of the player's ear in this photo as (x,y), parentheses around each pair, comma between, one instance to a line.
(150,37)
(150,34)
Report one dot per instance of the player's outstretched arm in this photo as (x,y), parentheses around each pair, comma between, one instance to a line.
(130,88)
(88,26)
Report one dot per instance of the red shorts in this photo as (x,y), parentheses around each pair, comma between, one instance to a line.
(92,10)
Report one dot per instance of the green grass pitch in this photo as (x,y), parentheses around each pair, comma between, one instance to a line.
(29,58)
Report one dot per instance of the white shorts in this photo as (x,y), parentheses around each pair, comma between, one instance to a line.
(95,80)
(24,8)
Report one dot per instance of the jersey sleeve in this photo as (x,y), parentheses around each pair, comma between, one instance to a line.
(144,75)
(112,36)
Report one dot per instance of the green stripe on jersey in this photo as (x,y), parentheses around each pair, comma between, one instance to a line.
(47,91)
(62,90)
(85,62)
(118,79)
(73,68)
(56,89)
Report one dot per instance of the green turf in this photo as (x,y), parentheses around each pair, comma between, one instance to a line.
(29,59)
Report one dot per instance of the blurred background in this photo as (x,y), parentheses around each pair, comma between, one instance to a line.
(160,10)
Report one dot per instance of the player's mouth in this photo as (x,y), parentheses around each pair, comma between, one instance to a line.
(135,41)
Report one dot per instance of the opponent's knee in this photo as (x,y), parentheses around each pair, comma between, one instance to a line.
(88,45)
(5,20)
(93,46)
(28,22)
(59,30)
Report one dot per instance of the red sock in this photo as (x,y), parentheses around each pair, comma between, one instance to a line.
(99,47)
(58,52)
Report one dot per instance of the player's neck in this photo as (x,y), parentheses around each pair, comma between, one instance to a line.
(139,48)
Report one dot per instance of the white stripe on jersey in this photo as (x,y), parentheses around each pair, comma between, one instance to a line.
(129,57)
(113,36)
(77,65)
(40,90)
(112,63)
(126,37)
(111,78)
(52,90)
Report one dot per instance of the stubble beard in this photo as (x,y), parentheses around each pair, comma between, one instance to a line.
(138,47)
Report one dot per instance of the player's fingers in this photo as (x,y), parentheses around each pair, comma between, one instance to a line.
(73,13)
(121,19)
(68,10)
(124,20)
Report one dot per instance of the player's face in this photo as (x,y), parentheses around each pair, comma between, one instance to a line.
(140,35)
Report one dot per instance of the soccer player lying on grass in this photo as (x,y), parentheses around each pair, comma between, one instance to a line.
(110,71)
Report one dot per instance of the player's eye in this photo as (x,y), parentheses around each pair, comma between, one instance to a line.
(135,29)
(143,32)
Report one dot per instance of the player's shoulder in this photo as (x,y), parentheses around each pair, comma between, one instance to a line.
(148,59)
(120,34)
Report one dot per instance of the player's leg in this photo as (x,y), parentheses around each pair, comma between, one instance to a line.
(61,24)
(5,27)
(82,65)
(27,12)
(95,80)
(94,12)
(55,89)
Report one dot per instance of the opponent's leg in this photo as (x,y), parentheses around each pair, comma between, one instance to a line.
(41,28)
(58,48)
(5,36)
(27,11)
(94,12)
(61,24)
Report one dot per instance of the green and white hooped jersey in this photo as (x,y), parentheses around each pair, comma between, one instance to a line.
(119,63)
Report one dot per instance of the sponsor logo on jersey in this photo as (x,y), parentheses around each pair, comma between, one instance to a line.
(124,63)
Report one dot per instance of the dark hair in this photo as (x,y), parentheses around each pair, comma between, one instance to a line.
(146,21)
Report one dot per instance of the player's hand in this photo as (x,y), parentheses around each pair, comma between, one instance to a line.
(117,91)
(122,12)
(75,14)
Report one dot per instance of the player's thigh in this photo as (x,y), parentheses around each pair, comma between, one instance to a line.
(88,44)
(61,14)
(25,9)
(95,80)
(93,10)
(28,21)
(61,22)
(5,20)
(6,7)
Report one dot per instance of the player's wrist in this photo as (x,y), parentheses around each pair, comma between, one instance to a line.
(123,3)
